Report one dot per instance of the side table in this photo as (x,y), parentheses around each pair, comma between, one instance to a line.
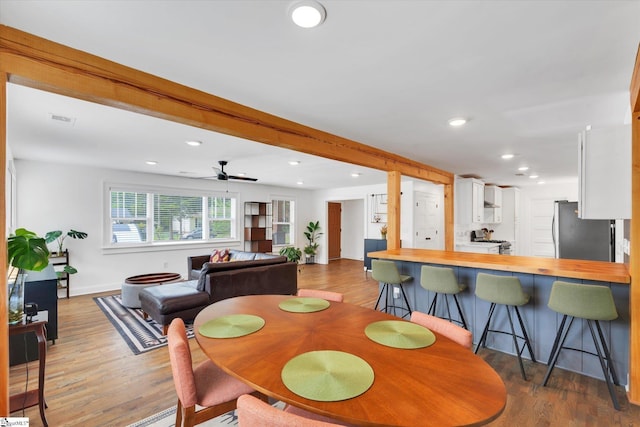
(36,396)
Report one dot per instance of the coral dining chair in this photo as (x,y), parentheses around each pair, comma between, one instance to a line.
(253,412)
(444,327)
(206,385)
(316,293)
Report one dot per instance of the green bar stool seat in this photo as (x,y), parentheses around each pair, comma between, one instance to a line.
(442,280)
(387,273)
(592,303)
(506,291)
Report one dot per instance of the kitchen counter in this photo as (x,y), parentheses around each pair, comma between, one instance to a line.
(569,268)
(536,276)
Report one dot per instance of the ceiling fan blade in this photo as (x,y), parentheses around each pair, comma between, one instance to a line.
(242,178)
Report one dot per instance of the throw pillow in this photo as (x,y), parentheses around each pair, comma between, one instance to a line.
(219,255)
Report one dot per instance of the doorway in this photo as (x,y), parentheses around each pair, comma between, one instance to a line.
(428,223)
(335,230)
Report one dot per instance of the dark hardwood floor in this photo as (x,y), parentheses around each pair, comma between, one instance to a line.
(93,379)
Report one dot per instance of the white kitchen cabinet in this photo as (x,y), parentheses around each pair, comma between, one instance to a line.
(605,173)
(493,197)
(469,195)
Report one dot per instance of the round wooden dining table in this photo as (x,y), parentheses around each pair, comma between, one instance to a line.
(443,384)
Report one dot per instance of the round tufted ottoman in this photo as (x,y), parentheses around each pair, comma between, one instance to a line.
(133,285)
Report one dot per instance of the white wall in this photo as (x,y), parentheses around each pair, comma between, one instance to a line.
(61,197)
(352,235)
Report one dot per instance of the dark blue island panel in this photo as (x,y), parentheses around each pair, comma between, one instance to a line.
(541,322)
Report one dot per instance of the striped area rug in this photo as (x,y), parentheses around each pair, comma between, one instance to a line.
(141,335)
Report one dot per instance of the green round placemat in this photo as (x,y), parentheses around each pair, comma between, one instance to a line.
(400,334)
(304,304)
(231,326)
(327,375)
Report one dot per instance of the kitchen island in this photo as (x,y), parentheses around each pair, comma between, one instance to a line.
(536,275)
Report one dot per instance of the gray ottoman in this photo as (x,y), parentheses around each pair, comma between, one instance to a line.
(133,285)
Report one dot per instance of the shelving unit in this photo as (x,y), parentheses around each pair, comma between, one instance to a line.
(59,261)
(258,223)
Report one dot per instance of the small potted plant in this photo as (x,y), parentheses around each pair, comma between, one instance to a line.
(292,254)
(59,236)
(312,233)
(26,251)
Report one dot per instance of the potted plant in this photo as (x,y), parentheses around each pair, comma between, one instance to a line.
(383,231)
(25,251)
(59,236)
(293,255)
(312,233)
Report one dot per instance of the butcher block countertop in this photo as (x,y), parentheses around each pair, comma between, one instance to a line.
(572,268)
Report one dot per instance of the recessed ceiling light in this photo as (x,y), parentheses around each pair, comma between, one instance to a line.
(507,156)
(534,176)
(241,174)
(294,162)
(193,143)
(523,168)
(540,182)
(355,174)
(457,121)
(151,162)
(307,13)
(300,182)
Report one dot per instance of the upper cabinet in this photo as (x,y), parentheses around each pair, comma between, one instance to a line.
(492,204)
(605,173)
(469,206)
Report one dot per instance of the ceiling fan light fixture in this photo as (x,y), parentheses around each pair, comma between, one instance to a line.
(307,13)
(457,121)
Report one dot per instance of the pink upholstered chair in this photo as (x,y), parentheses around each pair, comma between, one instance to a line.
(206,385)
(444,327)
(316,293)
(253,412)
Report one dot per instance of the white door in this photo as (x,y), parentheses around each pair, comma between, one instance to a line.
(428,224)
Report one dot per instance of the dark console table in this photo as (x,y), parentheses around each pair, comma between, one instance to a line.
(33,397)
(41,287)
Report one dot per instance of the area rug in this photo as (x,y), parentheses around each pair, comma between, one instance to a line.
(167,418)
(140,335)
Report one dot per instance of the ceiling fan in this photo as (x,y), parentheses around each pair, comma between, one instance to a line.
(223,176)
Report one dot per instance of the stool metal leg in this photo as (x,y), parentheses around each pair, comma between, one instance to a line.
(485,331)
(604,368)
(384,288)
(555,351)
(464,322)
(406,301)
(515,343)
(607,354)
(432,307)
(525,335)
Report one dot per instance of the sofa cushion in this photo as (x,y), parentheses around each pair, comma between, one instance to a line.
(241,255)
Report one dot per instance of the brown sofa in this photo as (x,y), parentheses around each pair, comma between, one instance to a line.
(246,273)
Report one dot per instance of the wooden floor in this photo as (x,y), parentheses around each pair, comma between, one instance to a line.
(93,379)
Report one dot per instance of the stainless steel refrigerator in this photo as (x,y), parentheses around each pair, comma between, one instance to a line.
(575,238)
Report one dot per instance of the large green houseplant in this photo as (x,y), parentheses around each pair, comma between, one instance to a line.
(312,233)
(26,251)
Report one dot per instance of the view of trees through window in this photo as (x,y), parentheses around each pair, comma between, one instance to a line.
(283,215)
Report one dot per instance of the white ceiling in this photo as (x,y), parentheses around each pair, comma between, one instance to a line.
(529,75)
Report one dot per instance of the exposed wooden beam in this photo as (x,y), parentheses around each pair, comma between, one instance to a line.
(634,262)
(32,61)
(4,311)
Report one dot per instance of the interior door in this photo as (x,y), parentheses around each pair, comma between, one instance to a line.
(335,229)
(428,229)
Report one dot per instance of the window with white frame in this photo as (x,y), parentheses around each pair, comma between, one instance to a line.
(283,222)
(161,216)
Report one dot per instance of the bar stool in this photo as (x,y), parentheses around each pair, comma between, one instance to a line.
(442,280)
(507,291)
(386,272)
(592,303)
